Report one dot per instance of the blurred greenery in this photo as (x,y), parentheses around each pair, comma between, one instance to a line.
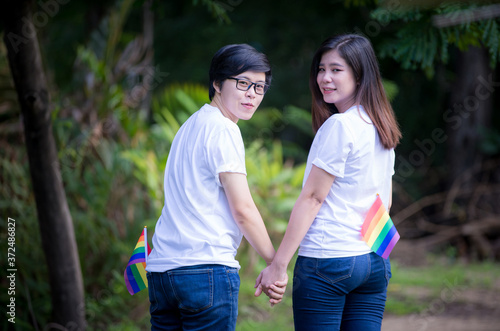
(413,288)
(113,149)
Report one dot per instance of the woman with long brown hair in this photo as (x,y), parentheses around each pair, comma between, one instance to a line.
(339,283)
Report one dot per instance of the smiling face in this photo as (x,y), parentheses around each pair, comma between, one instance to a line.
(236,104)
(336,81)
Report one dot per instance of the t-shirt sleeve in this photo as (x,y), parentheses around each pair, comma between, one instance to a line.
(226,153)
(335,143)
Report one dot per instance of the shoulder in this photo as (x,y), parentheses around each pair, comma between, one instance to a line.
(218,130)
(356,115)
(352,125)
(339,124)
(212,120)
(356,120)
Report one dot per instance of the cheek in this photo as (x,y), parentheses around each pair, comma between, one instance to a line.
(258,101)
(354,87)
(232,98)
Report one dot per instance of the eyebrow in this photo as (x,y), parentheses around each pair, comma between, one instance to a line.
(245,77)
(332,64)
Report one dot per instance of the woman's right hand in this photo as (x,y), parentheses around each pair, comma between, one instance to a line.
(272,281)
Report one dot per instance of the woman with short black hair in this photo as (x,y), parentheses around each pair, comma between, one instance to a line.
(192,271)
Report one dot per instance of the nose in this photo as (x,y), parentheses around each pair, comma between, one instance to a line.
(251,91)
(326,77)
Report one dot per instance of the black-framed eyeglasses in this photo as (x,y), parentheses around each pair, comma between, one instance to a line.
(245,85)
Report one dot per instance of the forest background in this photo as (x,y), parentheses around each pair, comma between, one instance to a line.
(82,157)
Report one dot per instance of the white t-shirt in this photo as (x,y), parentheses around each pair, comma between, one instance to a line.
(347,146)
(196,225)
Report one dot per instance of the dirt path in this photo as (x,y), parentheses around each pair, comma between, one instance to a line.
(441,323)
(456,308)
(469,310)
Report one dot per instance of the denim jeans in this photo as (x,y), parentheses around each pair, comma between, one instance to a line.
(202,297)
(345,293)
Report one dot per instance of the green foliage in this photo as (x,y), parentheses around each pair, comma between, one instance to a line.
(419,44)
(358,3)
(391,89)
(292,125)
(491,38)
(179,101)
(490,142)
(416,49)
(108,207)
(115,23)
(275,185)
(256,313)
(17,202)
(9,108)
(217,8)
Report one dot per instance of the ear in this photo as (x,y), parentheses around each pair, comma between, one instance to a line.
(217,86)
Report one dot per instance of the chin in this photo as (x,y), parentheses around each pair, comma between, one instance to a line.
(247,115)
(246,118)
(329,100)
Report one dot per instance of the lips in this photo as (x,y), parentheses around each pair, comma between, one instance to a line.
(247,105)
(328,90)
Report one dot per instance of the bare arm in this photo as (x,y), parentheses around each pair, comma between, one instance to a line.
(306,208)
(246,214)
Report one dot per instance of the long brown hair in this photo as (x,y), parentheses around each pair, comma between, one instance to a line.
(358,53)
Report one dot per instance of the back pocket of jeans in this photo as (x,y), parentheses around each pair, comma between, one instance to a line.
(193,289)
(335,269)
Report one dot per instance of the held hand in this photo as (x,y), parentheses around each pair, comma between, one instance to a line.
(277,291)
(273,283)
(258,285)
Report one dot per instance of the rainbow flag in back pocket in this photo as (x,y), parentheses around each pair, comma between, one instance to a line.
(378,230)
(135,272)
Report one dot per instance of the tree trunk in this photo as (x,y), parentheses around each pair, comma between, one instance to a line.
(471,107)
(56,227)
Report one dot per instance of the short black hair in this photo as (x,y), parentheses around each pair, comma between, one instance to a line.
(232,60)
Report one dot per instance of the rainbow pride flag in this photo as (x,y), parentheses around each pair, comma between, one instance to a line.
(378,230)
(135,273)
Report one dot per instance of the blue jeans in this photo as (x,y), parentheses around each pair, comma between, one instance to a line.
(202,297)
(345,293)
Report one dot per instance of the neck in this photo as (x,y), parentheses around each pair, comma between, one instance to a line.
(217,103)
(344,107)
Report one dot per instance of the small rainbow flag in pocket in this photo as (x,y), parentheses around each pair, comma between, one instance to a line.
(378,230)
(135,272)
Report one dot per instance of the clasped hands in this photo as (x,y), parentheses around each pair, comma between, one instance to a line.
(272,281)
